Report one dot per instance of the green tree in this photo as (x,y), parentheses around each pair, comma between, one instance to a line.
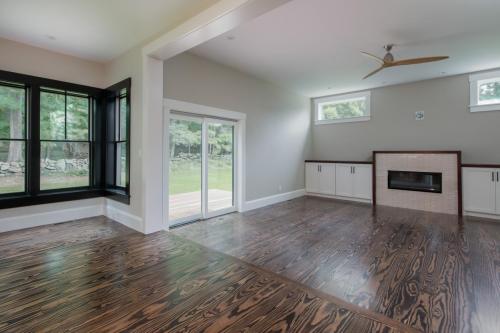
(12,119)
(348,109)
(489,91)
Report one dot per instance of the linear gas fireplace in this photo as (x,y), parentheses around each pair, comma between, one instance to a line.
(423,180)
(415,181)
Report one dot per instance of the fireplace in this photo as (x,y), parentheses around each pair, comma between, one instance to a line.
(423,180)
(415,181)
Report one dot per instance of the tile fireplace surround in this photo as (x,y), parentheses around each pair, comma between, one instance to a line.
(445,162)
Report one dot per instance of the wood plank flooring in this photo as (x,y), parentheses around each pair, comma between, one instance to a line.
(432,272)
(96,276)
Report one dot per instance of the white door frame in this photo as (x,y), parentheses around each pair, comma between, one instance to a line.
(206,122)
(239,121)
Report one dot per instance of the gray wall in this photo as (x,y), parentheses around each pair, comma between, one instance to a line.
(278,121)
(448,124)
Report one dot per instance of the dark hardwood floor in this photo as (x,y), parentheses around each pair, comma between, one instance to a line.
(95,275)
(432,272)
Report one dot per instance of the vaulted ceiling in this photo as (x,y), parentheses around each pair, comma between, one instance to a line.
(312,46)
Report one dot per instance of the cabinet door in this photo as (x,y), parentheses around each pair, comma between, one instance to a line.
(343,180)
(498,190)
(479,190)
(327,178)
(362,181)
(312,177)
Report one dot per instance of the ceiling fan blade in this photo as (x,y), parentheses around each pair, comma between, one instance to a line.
(380,60)
(374,72)
(417,61)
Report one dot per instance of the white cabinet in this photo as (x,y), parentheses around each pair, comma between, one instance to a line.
(343,184)
(362,181)
(327,178)
(320,178)
(312,177)
(340,180)
(354,181)
(481,190)
(498,193)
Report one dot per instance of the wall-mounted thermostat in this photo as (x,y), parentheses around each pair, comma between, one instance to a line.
(419,115)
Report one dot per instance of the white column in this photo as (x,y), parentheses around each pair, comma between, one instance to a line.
(152,145)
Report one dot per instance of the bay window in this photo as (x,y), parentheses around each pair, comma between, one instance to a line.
(53,141)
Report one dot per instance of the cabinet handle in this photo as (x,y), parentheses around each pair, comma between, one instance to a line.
(498,176)
(493,176)
(320,168)
(353,169)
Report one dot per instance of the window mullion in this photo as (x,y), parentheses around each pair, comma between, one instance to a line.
(65,116)
(33,162)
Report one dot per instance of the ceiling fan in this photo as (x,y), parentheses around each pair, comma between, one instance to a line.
(388,60)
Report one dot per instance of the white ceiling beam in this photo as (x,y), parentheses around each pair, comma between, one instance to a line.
(214,21)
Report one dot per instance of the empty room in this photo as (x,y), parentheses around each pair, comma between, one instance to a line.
(250,166)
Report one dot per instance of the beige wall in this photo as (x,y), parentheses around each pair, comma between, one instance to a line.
(278,122)
(26,59)
(448,124)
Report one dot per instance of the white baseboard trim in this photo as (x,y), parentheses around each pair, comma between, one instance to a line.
(273,199)
(51,214)
(121,216)
(338,197)
(483,215)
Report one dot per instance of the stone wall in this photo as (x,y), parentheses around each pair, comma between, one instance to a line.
(62,165)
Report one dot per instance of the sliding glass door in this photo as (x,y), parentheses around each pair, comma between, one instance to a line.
(220,170)
(185,174)
(201,170)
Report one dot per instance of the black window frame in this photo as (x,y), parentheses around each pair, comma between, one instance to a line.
(114,95)
(24,140)
(90,135)
(98,162)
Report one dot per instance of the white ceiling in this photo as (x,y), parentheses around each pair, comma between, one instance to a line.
(312,46)
(98,30)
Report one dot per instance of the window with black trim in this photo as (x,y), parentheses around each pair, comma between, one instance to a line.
(65,155)
(118,138)
(12,138)
(59,141)
(121,139)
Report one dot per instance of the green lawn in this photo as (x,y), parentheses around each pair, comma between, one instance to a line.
(15,184)
(185,176)
(51,182)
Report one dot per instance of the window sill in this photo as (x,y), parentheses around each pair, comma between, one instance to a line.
(118,195)
(340,121)
(484,107)
(23,200)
